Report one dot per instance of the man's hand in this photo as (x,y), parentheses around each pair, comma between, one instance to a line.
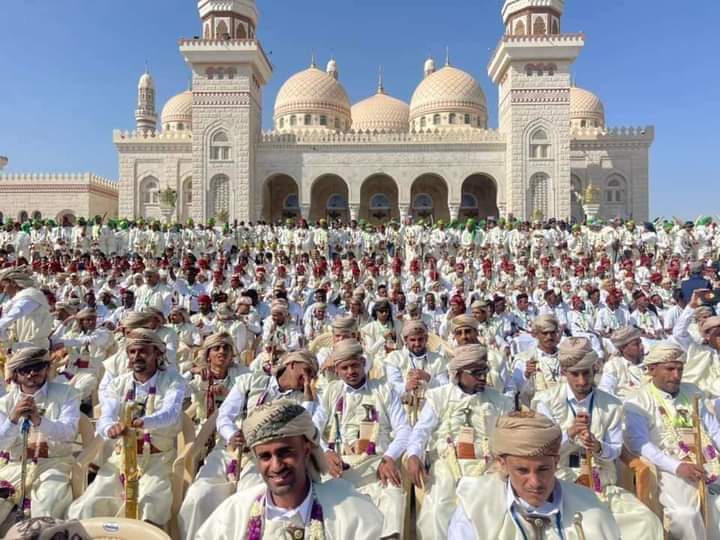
(581,425)
(388,472)
(218,390)
(691,472)
(115,431)
(416,470)
(334,463)
(531,368)
(25,407)
(589,442)
(138,423)
(236,441)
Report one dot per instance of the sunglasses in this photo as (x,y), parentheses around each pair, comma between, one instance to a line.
(476,373)
(36,368)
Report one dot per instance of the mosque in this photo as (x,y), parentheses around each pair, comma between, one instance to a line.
(380,158)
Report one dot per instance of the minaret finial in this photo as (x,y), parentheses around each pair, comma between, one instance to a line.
(381,86)
(447,56)
(312,60)
(147,68)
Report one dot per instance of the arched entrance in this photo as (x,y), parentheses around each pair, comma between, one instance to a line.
(429,198)
(281,198)
(149,197)
(186,198)
(379,199)
(479,197)
(66,214)
(329,199)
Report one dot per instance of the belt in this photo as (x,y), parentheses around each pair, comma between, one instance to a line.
(39,450)
(153,449)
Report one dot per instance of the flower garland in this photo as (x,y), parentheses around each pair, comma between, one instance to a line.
(316,529)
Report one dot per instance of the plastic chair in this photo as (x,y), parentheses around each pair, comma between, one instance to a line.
(122,528)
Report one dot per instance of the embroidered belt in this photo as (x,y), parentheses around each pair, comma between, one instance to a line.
(39,450)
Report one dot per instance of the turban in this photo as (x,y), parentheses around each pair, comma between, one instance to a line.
(526,434)
(302,357)
(344,324)
(182,312)
(278,306)
(137,319)
(319,305)
(151,272)
(155,312)
(27,357)
(344,350)
(281,419)
(21,275)
(665,352)
(143,336)
(710,323)
(576,354)
(224,313)
(62,306)
(464,321)
(46,528)
(412,327)
(623,336)
(215,340)
(465,356)
(382,304)
(86,313)
(546,323)
(703,311)
(480,304)
(204,299)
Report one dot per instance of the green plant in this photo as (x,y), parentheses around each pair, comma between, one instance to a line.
(168,197)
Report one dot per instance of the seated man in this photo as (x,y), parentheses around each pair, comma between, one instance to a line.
(659,427)
(465,331)
(343,327)
(591,421)
(525,499)
(157,395)
(226,469)
(414,369)
(51,411)
(456,422)
(366,433)
(189,339)
(291,502)
(624,372)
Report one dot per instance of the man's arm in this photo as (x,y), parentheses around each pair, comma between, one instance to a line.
(637,437)
(424,427)
(22,308)
(400,426)
(229,412)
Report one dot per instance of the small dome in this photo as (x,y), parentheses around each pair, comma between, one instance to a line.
(177,112)
(586,106)
(146,81)
(313,91)
(449,90)
(381,113)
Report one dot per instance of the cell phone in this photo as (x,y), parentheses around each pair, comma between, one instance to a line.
(710,298)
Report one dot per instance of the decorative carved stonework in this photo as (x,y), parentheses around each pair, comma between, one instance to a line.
(541,95)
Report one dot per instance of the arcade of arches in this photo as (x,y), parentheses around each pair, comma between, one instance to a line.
(379,198)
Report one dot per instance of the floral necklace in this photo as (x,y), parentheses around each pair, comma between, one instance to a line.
(316,529)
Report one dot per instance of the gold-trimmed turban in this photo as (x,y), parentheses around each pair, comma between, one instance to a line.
(525,434)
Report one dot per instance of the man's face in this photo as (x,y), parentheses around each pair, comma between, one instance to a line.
(580,381)
(143,358)
(416,343)
(32,378)
(282,464)
(430,302)
(523,304)
(220,355)
(176,318)
(533,478)
(300,372)
(243,309)
(278,317)
(480,314)
(465,335)
(152,279)
(548,339)
(634,350)
(342,336)
(641,302)
(667,376)
(88,324)
(8,287)
(352,371)
(129,300)
(473,378)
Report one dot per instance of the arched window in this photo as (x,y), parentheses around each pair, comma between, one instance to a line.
(187,193)
(291,202)
(37,215)
(469,201)
(337,123)
(539,27)
(423,122)
(206,32)
(539,196)
(423,202)
(220,147)
(467,119)
(308,119)
(240,32)
(221,31)
(219,194)
(452,118)
(281,123)
(520,28)
(555,26)
(23,216)
(337,202)
(293,120)
(539,144)
(379,201)
(323,120)
(150,191)
(436,120)
(615,190)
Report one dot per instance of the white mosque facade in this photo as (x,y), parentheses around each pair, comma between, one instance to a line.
(381,158)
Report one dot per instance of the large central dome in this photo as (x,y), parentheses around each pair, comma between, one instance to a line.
(447,97)
(312,99)
(381,112)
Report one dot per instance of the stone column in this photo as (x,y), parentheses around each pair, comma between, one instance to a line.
(454,210)
(404,211)
(305,210)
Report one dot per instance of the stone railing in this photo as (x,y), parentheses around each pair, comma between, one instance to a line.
(227,44)
(452,136)
(152,136)
(59,178)
(552,39)
(637,133)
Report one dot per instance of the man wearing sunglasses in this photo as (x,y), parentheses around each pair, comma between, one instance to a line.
(53,411)
(451,436)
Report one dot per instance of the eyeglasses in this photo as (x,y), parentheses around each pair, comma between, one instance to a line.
(476,373)
(37,368)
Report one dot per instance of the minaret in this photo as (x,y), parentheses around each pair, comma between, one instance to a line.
(229,70)
(429,68)
(532,68)
(332,69)
(145,115)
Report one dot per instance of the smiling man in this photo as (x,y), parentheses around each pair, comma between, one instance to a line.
(291,503)
(525,500)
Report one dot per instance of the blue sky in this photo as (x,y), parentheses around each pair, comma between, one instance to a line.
(69,70)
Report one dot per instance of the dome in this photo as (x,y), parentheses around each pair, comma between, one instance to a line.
(449,90)
(177,112)
(145,81)
(381,113)
(586,106)
(313,92)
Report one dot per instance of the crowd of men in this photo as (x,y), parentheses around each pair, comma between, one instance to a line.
(477,380)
